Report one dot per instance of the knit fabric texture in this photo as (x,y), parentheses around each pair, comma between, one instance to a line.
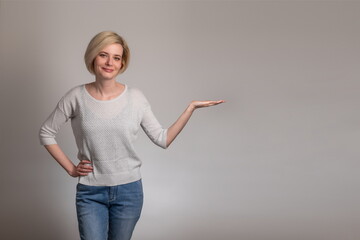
(105,132)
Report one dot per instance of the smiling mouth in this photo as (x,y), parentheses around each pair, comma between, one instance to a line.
(108,70)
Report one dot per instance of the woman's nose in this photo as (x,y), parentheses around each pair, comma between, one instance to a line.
(109,61)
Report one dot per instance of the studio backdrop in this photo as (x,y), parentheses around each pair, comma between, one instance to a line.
(278,161)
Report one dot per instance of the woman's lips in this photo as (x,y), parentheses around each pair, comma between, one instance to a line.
(108,70)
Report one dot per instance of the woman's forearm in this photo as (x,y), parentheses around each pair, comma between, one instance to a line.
(61,158)
(180,123)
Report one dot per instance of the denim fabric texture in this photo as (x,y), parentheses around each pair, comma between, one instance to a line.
(108,212)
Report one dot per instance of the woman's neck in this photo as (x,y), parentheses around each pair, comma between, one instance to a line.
(106,88)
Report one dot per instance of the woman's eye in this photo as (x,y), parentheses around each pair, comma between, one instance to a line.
(102,55)
(117,58)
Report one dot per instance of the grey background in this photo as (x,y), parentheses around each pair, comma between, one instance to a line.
(278,161)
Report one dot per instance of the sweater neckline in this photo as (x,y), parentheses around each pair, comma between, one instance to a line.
(104,101)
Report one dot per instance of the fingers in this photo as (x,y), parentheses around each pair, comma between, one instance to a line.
(84,168)
(216,102)
(200,104)
(85,162)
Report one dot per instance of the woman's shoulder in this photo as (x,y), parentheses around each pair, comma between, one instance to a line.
(73,92)
(135,92)
(137,96)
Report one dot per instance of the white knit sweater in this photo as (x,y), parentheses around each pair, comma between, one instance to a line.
(105,132)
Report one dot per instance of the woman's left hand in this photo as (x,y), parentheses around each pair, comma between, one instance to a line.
(201,104)
(176,128)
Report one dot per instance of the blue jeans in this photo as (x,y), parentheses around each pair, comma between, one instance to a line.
(108,212)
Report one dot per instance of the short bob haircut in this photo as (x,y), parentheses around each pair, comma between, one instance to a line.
(99,42)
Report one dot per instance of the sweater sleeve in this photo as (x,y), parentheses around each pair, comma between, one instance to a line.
(60,115)
(152,127)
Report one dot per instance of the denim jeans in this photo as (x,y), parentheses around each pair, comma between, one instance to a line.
(108,212)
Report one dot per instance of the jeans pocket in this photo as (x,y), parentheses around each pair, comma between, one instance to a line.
(83,190)
(81,187)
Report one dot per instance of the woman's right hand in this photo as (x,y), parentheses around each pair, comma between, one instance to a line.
(82,169)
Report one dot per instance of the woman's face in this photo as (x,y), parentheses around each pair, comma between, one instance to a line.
(108,62)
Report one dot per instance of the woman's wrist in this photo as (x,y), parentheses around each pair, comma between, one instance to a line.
(72,172)
(191,108)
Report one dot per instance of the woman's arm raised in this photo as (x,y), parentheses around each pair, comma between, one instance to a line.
(180,123)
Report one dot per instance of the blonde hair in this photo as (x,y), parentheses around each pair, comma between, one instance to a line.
(99,42)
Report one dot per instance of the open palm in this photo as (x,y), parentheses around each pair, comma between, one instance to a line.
(201,104)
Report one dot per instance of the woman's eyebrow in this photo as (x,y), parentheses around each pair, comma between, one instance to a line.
(118,55)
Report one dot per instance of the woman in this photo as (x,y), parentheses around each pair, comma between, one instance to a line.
(105,117)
